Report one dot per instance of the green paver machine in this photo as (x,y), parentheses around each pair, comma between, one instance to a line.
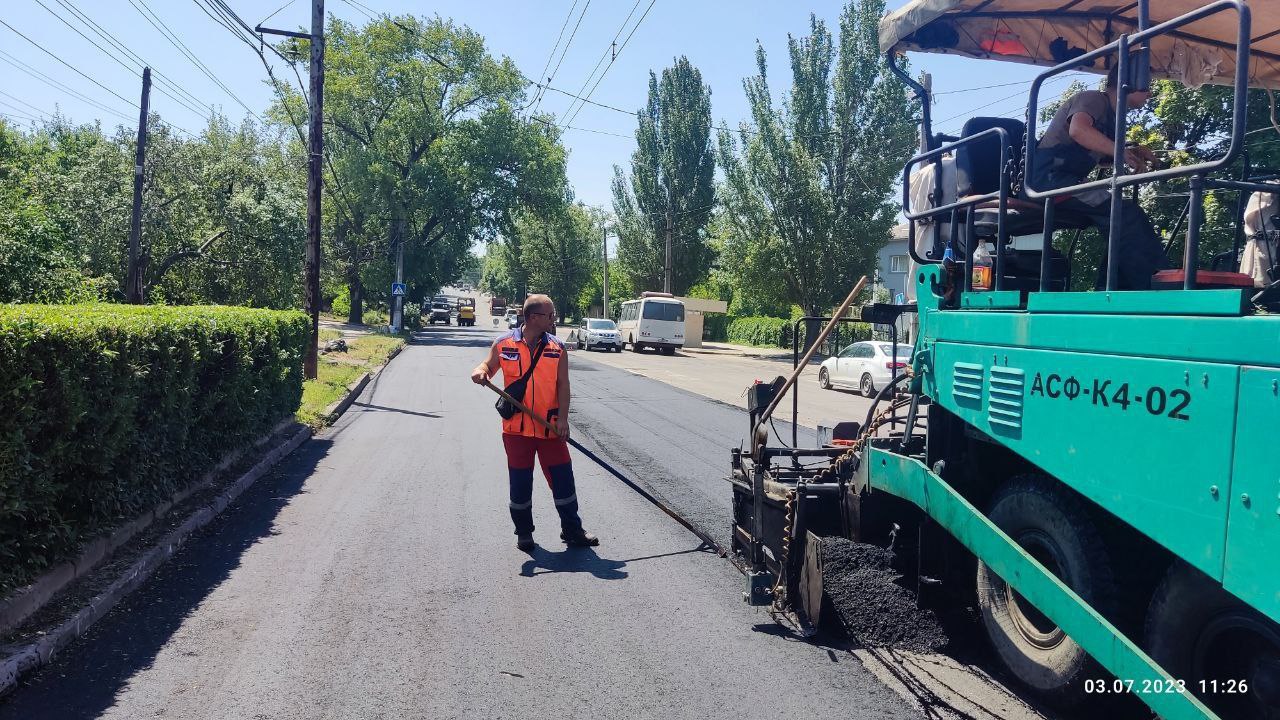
(1091,469)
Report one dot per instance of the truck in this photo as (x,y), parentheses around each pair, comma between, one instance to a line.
(497,306)
(1087,471)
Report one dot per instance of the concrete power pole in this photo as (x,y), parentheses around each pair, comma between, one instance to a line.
(604,258)
(666,275)
(133,280)
(397,301)
(315,156)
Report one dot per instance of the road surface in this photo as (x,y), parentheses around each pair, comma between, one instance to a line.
(374,575)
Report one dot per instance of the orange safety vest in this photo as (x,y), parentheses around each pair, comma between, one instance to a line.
(541,393)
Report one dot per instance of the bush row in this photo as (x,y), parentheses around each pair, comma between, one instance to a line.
(107,409)
(777,332)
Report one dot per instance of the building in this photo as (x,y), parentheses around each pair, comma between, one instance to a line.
(892,264)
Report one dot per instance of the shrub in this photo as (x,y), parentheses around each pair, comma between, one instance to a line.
(108,409)
(763,331)
(715,327)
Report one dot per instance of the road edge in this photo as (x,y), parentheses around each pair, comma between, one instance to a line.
(23,659)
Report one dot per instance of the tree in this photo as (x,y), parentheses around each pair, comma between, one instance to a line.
(427,149)
(671,188)
(560,251)
(808,190)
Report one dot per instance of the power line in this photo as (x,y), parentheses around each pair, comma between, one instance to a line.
(537,99)
(277,12)
(24,102)
(64,62)
(359,9)
(18,112)
(615,57)
(121,63)
(101,32)
(169,35)
(613,45)
(565,51)
(60,86)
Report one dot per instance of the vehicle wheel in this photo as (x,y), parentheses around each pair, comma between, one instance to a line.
(582,345)
(668,351)
(617,348)
(1055,529)
(636,347)
(866,387)
(824,379)
(1208,637)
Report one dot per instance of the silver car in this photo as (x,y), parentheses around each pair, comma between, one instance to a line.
(596,333)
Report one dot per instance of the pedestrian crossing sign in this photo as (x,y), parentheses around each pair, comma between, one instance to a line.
(397,288)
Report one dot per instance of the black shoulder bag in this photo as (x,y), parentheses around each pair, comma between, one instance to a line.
(517,388)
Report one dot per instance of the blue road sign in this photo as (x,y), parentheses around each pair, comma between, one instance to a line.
(398,288)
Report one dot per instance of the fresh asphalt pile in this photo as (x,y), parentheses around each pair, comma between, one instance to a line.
(873,605)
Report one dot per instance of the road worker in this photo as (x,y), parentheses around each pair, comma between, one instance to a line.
(535,370)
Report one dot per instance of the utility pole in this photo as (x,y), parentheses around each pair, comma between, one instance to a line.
(397,301)
(315,159)
(315,155)
(604,257)
(666,275)
(133,280)
(926,81)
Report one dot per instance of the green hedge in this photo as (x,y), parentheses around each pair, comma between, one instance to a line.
(108,409)
(776,332)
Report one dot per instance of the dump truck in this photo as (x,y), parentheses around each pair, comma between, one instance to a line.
(1088,470)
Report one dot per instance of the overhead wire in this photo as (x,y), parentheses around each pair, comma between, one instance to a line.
(565,51)
(169,35)
(613,45)
(181,101)
(615,57)
(89,22)
(60,86)
(77,70)
(277,11)
(537,99)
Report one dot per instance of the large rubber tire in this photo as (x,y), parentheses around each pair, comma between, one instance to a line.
(824,379)
(1208,637)
(1055,528)
(636,347)
(866,387)
(668,351)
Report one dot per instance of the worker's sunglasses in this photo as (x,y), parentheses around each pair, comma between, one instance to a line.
(550,315)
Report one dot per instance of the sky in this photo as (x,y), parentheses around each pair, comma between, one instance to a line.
(719,37)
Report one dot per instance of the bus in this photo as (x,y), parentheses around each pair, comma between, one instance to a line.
(653,320)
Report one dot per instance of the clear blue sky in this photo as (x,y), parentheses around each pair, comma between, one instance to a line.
(718,37)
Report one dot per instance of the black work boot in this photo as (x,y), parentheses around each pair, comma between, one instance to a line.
(581,538)
(525,542)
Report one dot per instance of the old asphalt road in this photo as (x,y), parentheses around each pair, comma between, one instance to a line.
(375,575)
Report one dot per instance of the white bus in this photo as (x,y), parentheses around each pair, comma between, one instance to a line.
(653,320)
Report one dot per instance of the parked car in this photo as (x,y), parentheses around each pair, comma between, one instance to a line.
(512,318)
(865,365)
(595,333)
(653,320)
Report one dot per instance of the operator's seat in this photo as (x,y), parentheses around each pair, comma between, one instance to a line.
(978,173)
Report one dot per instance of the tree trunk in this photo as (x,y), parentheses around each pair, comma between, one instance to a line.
(355,315)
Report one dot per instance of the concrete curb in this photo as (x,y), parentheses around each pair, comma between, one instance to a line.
(22,659)
(26,601)
(18,660)
(332,412)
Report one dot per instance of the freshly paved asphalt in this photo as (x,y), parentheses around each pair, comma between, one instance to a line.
(375,575)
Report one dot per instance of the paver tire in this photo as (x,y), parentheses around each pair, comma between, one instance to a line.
(1209,638)
(1054,527)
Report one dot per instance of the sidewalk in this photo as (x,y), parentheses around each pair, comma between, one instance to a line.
(765,353)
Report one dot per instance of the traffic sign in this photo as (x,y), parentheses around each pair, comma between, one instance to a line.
(398,288)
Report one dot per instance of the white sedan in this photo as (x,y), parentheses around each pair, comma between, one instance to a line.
(866,365)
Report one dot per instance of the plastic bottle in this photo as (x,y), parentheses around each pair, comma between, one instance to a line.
(982,268)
